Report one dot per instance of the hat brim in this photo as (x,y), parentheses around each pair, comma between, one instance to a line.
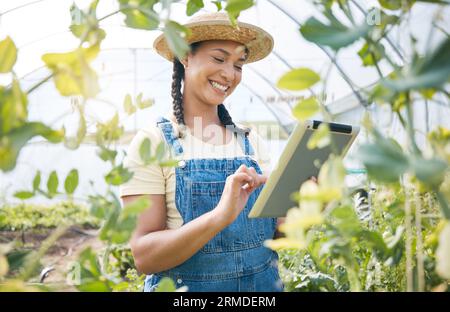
(258,42)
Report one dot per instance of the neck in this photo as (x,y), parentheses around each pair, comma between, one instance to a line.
(193,108)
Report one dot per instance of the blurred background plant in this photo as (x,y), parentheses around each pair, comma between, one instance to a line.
(400,242)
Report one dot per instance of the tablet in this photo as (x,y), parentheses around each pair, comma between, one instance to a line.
(297,164)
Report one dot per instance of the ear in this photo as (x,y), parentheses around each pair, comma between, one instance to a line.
(184,61)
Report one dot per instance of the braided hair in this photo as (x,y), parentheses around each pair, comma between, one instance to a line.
(177,96)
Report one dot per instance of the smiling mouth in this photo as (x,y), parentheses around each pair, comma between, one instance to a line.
(223,89)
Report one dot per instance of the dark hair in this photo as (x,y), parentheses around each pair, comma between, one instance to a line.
(177,96)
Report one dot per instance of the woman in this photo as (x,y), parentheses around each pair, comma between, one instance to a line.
(197,231)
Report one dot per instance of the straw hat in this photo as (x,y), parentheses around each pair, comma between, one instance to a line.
(217,26)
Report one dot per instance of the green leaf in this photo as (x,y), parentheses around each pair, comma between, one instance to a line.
(386,20)
(344,218)
(13,107)
(375,240)
(384,160)
(327,190)
(139,14)
(136,207)
(106,154)
(306,108)
(91,35)
(443,253)
(166,285)
(218,5)
(332,175)
(37,181)
(71,182)
(144,150)
(234,8)
(121,223)
(429,171)
(394,5)
(168,163)
(74,142)
(118,175)
(89,285)
(72,73)
(371,55)
(91,273)
(320,138)
(143,103)
(391,4)
(193,6)
(160,151)
(428,93)
(8,55)
(128,105)
(175,35)
(85,25)
(88,260)
(109,131)
(335,35)
(11,144)
(393,240)
(17,258)
(430,71)
(23,194)
(298,79)
(77,15)
(52,183)
(100,206)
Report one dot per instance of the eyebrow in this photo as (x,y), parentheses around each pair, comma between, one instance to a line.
(228,53)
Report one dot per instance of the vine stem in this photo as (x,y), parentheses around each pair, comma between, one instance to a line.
(46,244)
(408,243)
(40,83)
(410,126)
(419,245)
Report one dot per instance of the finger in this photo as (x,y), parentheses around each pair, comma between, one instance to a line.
(259,178)
(252,172)
(241,178)
(263,178)
(242,168)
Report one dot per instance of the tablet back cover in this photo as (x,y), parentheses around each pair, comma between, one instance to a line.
(296,164)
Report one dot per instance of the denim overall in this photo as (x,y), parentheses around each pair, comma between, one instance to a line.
(235,259)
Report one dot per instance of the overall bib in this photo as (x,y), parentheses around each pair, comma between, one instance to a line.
(235,259)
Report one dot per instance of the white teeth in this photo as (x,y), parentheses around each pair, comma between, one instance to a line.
(219,86)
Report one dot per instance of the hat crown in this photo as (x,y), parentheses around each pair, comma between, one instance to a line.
(217,26)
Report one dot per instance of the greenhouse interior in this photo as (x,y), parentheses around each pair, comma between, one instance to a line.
(80,79)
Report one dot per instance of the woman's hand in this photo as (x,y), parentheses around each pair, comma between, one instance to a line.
(237,190)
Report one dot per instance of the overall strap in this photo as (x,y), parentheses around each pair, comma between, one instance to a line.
(242,137)
(166,127)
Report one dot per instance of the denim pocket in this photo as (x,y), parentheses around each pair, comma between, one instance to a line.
(205,197)
(242,234)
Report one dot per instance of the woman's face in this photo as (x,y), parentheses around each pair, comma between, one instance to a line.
(214,70)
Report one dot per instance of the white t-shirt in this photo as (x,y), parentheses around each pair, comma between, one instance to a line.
(154,179)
